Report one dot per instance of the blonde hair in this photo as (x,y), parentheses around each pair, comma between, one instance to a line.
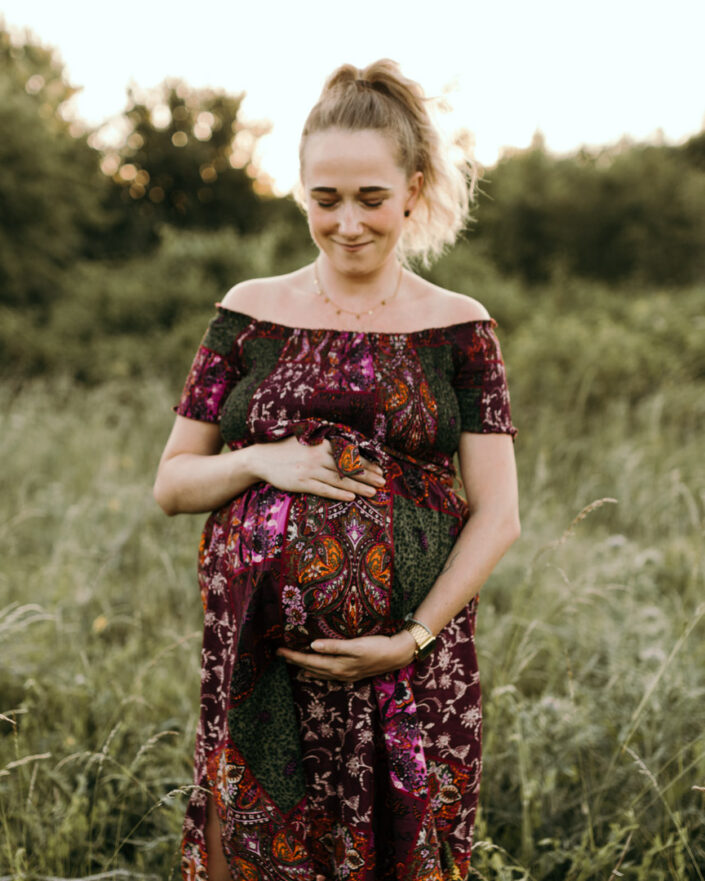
(381,98)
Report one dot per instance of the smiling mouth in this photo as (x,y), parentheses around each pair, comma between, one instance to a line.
(353,246)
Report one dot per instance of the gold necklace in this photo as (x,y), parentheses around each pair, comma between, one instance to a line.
(339,309)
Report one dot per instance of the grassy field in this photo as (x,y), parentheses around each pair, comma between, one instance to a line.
(591,631)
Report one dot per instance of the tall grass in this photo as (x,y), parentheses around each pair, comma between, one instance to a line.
(591,637)
(100,650)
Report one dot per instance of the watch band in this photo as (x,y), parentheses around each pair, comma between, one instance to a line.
(411,618)
(423,637)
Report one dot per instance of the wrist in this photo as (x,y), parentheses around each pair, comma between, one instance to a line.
(247,463)
(404,647)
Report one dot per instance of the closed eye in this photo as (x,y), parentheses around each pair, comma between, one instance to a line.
(368,204)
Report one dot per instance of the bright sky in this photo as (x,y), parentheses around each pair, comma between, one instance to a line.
(582,72)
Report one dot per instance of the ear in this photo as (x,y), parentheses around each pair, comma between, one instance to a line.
(413,192)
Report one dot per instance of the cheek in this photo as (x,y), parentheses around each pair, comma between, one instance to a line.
(387,216)
(320,220)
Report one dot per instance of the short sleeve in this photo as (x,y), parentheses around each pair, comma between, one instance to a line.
(480,381)
(216,368)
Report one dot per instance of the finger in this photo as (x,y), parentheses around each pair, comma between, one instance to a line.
(367,484)
(340,647)
(317,665)
(344,488)
(368,478)
(323,675)
(359,487)
(375,479)
(328,491)
(293,656)
(373,467)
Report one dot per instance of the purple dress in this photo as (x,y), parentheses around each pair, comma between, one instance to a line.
(372,780)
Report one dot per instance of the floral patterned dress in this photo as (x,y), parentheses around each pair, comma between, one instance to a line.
(372,780)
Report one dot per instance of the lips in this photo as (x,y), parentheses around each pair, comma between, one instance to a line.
(353,247)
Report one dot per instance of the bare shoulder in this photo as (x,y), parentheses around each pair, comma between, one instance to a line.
(450,307)
(247,296)
(279,298)
(465,308)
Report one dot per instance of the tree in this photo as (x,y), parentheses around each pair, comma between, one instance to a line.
(186,161)
(50,184)
(514,216)
(631,212)
(694,150)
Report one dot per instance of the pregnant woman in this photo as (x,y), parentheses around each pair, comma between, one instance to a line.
(339,733)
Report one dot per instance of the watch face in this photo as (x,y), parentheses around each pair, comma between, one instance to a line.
(426,649)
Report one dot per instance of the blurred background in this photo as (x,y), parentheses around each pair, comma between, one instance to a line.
(146,161)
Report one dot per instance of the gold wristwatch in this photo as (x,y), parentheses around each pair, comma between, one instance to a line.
(423,637)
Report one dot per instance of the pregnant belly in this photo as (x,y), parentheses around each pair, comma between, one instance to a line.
(336,573)
(299,566)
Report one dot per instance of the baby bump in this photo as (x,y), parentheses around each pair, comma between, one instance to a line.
(358,568)
(317,567)
(301,565)
(337,568)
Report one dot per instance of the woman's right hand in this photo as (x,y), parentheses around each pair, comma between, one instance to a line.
(295,467)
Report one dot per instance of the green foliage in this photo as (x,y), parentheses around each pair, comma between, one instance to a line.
(135,317)
(57,208)
(632,213)
(694,151)
(175,165)
(140,316)
(86,677)
(50,184)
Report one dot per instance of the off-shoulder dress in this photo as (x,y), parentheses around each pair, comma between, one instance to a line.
(372,780)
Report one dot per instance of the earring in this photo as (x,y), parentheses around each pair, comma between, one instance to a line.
(407,213)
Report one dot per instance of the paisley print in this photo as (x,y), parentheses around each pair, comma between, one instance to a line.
(366,781)
(347,458)
(411,411)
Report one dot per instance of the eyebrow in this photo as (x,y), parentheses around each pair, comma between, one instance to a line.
(361,190)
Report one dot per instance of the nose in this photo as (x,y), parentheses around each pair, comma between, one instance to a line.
(349,221)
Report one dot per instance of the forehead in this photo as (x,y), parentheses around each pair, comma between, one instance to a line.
(339,158)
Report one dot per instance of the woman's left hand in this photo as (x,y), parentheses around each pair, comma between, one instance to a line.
(347,660)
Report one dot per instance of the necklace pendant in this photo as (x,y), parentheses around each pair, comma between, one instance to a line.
(339,310)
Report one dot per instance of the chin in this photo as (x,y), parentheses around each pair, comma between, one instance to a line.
(362,262)
(353,268)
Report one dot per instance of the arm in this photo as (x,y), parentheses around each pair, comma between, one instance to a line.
(488,471)
(193,478)
(489,476)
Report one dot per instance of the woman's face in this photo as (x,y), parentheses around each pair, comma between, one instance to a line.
(356,196)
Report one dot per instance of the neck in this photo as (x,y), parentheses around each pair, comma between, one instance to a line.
(358,288)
